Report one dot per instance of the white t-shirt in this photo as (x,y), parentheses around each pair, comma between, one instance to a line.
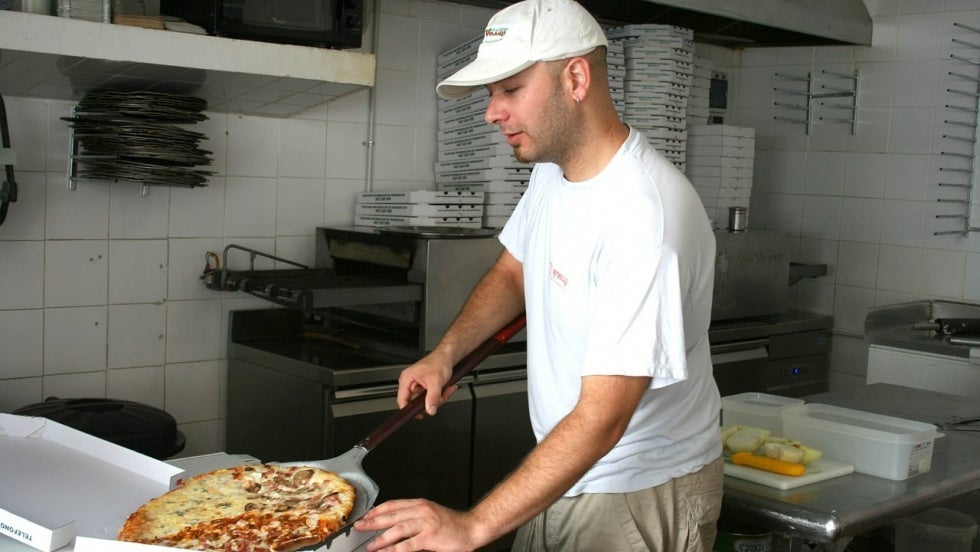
(618,280)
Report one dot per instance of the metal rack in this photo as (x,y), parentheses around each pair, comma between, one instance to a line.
(805,106)
(961,140)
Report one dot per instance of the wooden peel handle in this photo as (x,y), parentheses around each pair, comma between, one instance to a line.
(462,368)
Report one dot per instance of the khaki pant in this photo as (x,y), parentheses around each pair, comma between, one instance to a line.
(678,516)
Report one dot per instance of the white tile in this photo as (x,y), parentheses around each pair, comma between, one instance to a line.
(915,83)
(872,131)
(136,335)
(299,206)
(23,263)
(398,45)
(851,306)
(821,217)
(135,216)
(902,222)
(425,152)
(892,297)
(784,212)
(79,386)
(860,219)
(911,130)
(137,271)
(394,152)
(755,87)
(75,340)
(815,296)
(857,264)
(919,37)
(864,174)
(436,37)
(144,385)
(302,148)
(192,391)
(300,249)
(850,356)
(397,96)
(186,265)
(798,55)
(815,251)
(76,273)
(249,206)
(22,343)
(17,393)
(346,153)
(193,330)
(899,268)
(876,84)
(198,212)
(352,108)
(884,36)
(252,145)
(824,173)
(239,259)
(77,214)
(341,196)
(920,6)
(216,142)
(786,171)
(58,133)
(28,133)
(25,217)
(907,176)
(942,273)
(202,438)
(971,279)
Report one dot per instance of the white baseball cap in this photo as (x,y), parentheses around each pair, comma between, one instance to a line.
(523,34)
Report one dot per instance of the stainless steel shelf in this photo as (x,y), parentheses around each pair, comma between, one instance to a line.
(59,58)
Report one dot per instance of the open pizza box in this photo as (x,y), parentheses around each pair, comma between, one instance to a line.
(59,482)
(63,489)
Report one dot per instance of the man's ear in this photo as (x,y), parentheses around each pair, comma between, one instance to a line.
(578,78)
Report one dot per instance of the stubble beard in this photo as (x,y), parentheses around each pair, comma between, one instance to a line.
(554,135)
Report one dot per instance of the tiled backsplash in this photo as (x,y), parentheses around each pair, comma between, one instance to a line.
(99,288)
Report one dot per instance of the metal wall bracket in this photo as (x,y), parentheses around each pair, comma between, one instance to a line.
(799,99)
(961,140)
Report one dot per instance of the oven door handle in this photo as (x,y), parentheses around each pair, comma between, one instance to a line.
(743,350)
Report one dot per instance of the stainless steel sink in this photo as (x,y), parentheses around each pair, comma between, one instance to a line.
(913,325)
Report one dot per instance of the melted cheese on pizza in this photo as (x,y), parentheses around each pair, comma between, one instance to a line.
(251,508)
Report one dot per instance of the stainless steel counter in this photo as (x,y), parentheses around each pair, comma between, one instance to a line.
(852,504)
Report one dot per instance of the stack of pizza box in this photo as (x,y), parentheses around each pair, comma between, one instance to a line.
(699,100)
(472,155)
(720,160)
(616,67)
(498,207)
(659,68)
(454,209)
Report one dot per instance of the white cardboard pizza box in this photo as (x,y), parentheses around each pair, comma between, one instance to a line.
(59,482)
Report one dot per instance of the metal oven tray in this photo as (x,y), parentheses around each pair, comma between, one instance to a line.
(311,289)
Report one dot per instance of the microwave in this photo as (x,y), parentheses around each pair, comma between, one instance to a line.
(324,23)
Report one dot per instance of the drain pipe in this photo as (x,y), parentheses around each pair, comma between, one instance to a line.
(372,101)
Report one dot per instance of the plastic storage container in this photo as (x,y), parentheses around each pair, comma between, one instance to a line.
(756,410)
(935,529)
(884,446)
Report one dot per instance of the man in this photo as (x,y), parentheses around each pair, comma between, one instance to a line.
(612,257)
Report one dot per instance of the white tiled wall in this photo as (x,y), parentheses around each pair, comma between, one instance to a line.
(99,287)
(864,204)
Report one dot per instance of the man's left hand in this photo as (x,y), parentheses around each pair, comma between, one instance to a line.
(417,524)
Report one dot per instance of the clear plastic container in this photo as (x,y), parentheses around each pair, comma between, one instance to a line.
(884,446)
(756,410)
(935,529)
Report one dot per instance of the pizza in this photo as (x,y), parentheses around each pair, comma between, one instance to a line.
(255,508)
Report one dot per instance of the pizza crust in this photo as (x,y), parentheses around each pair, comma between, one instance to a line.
(256,508)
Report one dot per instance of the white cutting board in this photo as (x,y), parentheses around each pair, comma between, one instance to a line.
(820,470)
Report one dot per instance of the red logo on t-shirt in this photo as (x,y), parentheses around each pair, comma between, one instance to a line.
(557,277)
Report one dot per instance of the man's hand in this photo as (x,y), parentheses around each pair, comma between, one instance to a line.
(419,524)
(428,376)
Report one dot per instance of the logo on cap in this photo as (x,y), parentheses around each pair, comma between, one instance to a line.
(493,34)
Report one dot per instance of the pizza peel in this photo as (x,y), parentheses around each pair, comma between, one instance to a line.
(348,464)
